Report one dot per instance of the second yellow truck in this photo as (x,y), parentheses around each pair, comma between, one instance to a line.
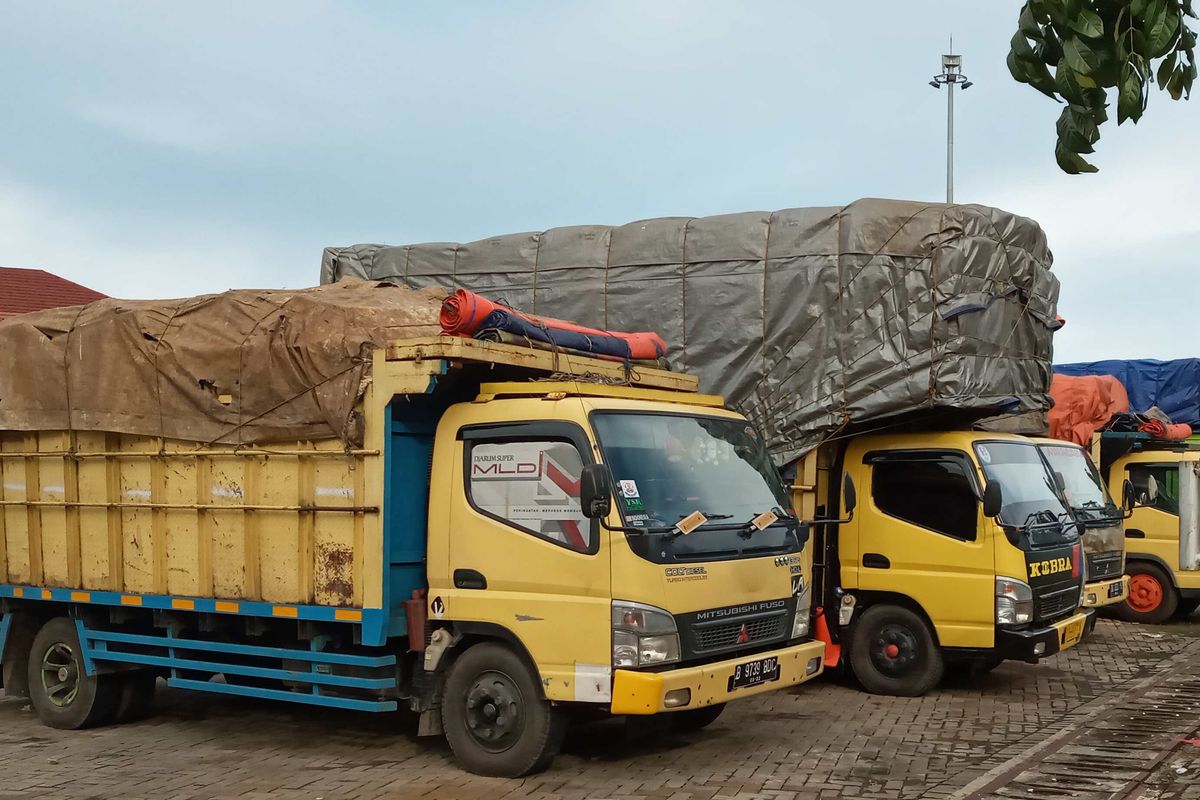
(962,553)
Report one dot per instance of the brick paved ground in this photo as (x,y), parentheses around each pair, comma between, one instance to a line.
(827,740)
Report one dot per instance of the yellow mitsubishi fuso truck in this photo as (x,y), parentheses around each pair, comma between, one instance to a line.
(962,553)
(522,532)
(1163,532)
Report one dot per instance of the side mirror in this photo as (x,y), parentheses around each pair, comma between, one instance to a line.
(849,495)
(595,491)
(993,499)
(1151,489)
(1060,481)
(1129,497)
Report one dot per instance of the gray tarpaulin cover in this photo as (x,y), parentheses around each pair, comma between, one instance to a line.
(806,319)
(238,367)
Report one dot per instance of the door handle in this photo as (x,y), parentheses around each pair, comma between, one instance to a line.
(1134,533)
(469,579)
(876,561)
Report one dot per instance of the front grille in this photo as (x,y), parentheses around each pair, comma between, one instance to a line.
(1101,566)
(1057,603)
(718,637)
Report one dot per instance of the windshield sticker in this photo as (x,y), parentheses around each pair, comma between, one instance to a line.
(630,496)
(690,522)
(985,455)
(764,520)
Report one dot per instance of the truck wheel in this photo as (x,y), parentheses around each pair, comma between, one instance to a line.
(14,671)
(135,695)
(695,719)
(893,652)
(494,715)
(61,692)
(1152,599)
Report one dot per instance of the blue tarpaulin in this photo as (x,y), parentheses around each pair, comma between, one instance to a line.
(1173,386)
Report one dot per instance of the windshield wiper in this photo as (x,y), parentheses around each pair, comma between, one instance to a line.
(1038,519)
(1105,514)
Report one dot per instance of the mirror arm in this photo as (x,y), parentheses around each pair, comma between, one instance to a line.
(830,521)
(622,529)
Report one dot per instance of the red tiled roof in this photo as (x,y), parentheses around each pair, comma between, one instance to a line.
(23,290)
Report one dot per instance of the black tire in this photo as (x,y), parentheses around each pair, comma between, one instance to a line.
(135,696)
(61,692)
(495,717)
(1152,598)
(893,652)
(695,719)
(1186,609)
(14,670)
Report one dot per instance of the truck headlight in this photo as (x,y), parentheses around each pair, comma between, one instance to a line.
(803,609)
(642,635)
(1014,602)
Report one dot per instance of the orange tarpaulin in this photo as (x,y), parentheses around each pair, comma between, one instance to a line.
(1084,405)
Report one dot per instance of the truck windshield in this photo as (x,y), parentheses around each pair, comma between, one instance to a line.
(666,467)
(1082,486)
(1031,500)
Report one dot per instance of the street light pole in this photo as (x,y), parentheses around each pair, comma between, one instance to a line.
(950,75)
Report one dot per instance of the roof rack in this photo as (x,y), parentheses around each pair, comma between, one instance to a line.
(559,365)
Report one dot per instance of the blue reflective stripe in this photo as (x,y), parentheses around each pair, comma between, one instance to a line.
(238,669)
(346,659)
(286,696)
(5,624)
(371,617)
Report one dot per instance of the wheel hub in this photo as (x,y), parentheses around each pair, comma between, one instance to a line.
(1145,593)
(895,650)
(495,711)
(60,674)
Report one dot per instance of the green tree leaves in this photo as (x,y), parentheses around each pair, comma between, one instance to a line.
(1076,50)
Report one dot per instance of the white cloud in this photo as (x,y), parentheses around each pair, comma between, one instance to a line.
(179,126)
(121,258)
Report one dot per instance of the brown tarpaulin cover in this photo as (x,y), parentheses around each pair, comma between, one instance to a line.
(1084,405)
(240,367)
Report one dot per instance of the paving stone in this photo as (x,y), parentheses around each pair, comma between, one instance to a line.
(827,740)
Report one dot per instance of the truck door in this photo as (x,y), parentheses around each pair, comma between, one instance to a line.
(920,534)
(522,556)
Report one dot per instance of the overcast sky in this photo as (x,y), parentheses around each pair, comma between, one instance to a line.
(167,149)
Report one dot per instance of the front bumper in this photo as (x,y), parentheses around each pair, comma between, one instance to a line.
(645,692)
(1030,645)
(1098,594)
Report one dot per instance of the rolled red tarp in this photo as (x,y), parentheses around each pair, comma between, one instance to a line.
(1166,430)
(463,313)
(466,314)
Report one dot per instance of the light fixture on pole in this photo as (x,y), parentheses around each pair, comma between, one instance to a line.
(950,76)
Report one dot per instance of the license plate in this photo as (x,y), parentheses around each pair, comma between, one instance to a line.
(1115,589)
(1070,632)
(753,673)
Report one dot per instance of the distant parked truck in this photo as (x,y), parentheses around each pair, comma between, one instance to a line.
(1163,533)
(460,561)
(1138,417)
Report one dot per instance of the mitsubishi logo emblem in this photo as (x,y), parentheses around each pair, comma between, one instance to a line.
(743,635)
